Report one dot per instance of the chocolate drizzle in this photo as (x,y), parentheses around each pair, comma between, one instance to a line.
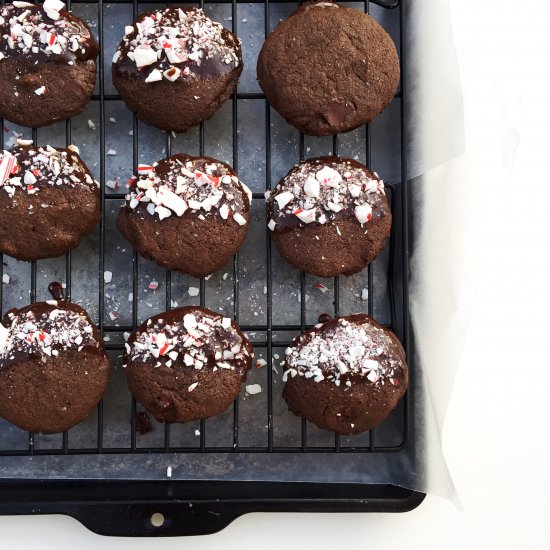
(30,34)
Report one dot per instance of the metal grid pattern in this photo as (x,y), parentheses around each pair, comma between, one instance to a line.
(398,262)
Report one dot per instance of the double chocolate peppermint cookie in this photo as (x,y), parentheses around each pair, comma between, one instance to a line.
(175,67)
(345,375)
(187,364)
(328,69)
(48,201)
(53,367)
(329,216)
(188,214)
(47,63)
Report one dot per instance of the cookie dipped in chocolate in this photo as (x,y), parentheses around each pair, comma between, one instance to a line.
(187,364)
(175,67)
(47,63)
(345,375)
(329,216)
(48,201)
(53,366)
(188,214)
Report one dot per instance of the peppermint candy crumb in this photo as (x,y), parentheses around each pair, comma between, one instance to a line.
(253,389)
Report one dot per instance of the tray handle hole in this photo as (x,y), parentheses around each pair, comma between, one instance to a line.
(157,519)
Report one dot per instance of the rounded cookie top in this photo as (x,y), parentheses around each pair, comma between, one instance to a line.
(345,351)
(27,169)
(193,337)
(176,44)
(326,189)
(197,187)
(328,68)
(39,33)
(46,329)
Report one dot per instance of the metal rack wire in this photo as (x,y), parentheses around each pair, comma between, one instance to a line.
(398,262)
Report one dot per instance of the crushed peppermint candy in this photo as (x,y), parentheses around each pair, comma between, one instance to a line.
(44,329)
(27,169)
(323,190)
(198,340)
(253,389)
(40,31)
(180,184)
(174,43)
(343,350)
(6,279)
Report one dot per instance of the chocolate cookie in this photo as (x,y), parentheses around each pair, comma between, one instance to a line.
(328,69)
(48,201)
(53,367)
(175,67)
(329,216)
(187,364)
(189,214)
(345,375)
(47,63)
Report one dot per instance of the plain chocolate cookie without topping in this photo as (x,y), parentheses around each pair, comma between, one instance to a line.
(53,367)
(47,63)
(329,216)
(328,69)
(188,214)
(175,67)
(345,375)
(187,364)
(48,201)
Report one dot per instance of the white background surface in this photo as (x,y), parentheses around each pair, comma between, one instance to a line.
(496,437)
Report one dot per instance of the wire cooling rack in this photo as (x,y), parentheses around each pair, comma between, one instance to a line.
(111,432)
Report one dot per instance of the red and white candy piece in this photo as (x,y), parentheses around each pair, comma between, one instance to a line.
(171,200)
(144,55)
(306,216)
(239,218)
(224,211)
(6,166)
(154,76)
(328,176)
(363,213)
(206,179)
(172,74)
(283,199)
(144,169)
(311,187)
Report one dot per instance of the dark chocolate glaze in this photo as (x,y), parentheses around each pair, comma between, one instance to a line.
(327,328)
(143,423)
(46,177)
(92,342)
(220,339)
(67,25)
(287,222)
(324,318)
(165,167)
(56,291)
(212,67)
